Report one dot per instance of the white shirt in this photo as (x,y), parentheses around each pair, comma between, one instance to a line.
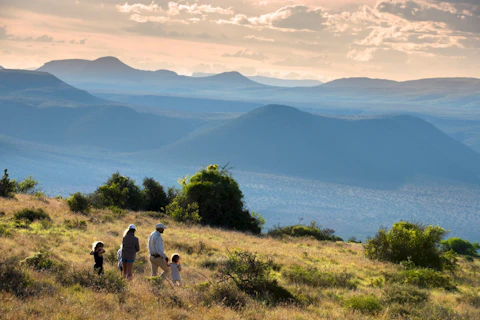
(119,257)
(155,244)
(175,270)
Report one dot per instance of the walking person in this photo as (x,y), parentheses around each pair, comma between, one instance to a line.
(130,247)
(119,258)
(158,258)
(175,268)
(97,252)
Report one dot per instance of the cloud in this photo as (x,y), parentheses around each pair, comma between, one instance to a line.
(261,39)
(246,54)
(44,38)
(288,18)
(3,33)
(175,12)
(151,28)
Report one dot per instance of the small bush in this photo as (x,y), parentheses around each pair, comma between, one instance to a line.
(472,299)
(407,241)
(404,294)
(298,230)
(226,294)
(364,303)
(110,281)
(423,278)
(75,224)
(31,214)
(253,276)
(313,277)
(44,260)
(5,230)
(78,202)
(26,186)
(7,187)
(461,246)
(13,279)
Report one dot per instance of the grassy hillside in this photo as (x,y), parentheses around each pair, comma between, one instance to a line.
(346,285)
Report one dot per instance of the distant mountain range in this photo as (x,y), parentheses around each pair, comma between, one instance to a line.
(447,96)
(275,138)
(270,81)
(109,73)
(284,140)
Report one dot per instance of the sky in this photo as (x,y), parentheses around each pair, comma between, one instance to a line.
(309,39)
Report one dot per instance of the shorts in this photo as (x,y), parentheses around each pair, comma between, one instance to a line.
(128,260)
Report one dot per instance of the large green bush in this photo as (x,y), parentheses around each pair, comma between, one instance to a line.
(364,303)
(312,230)
(407,241)
(461,246)
(119,191)
(78,202)
(7,186)
(219,199)
(154,196)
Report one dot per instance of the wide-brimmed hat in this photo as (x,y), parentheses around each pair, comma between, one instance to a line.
(160,226)
(132,227)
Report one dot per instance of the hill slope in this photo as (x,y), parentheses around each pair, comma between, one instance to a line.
(327,278)
(285,140)
(41,88)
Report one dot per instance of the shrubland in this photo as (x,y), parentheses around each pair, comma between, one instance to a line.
(46,271)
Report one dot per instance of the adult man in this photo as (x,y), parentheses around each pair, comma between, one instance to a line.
(158,258)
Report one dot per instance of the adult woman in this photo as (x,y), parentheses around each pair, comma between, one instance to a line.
(130,247)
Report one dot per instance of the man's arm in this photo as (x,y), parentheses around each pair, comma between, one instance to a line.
(159,247)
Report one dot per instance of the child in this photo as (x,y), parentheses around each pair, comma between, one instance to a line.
(97,252)
(119,258)
(175,269)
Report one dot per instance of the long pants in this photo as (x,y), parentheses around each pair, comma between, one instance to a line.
(159,262)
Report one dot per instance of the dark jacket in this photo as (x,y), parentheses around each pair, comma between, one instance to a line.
(130,246)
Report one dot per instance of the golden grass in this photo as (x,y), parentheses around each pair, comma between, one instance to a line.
(196,244)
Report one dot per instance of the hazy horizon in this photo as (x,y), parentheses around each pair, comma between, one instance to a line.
(310,39)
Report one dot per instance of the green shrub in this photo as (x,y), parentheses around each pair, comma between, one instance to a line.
(219,199)
(26,186)
(423,278)
(404,294)
(5,230)
(313,277)
(119,191)
(78,202)
(364,303)
(312,230)
(44,260)
(186,212)
(253,276)
(75,224)
(7,187)
(155,198)
(110,281)
(407,241)
(31,214)
(13,279)
(461,246)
